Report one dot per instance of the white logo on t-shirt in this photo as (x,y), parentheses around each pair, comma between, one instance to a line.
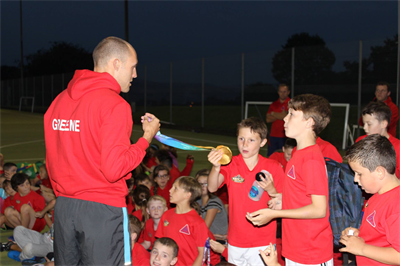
(66,125)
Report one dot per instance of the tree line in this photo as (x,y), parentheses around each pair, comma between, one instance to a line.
(313,62)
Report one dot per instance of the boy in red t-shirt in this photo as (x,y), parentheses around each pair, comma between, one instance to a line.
(284,156)
(183,224)
(140,256)
(156,206)
(26,204)
(306,232)
(164,252)
(377,242)
(239,175)
(376,117)
(8,202)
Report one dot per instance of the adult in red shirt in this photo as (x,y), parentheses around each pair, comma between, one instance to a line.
(89,156)
(382,94)
(276,112)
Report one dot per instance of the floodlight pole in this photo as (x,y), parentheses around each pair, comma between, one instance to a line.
(22,50)
(126,95)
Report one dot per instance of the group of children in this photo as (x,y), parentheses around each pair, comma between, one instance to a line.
(175,219)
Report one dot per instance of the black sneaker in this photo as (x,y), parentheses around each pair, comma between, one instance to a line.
(6,246)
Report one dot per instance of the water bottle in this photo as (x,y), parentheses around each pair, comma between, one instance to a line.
(256,191)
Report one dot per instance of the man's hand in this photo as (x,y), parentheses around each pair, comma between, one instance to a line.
(151,125)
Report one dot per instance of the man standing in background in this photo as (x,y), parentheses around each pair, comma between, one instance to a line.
(276,112)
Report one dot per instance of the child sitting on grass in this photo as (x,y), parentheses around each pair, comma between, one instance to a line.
(156,206)
(140,256)
(164,252)
(26,204)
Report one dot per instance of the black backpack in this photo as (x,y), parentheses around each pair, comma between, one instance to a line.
(345,199)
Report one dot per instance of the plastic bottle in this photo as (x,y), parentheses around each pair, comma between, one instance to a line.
(256,191)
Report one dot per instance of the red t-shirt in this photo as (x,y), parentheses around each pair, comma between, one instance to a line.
(222,194)
(381,223)
(280,157)
(188,230)
(140,256)
(327,149)
(306,241)
(239,180)
(396,145)
(165,193)
(9,201)
(277,129)
(37,203)
(149,234)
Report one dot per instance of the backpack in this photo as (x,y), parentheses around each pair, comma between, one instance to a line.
(345,199)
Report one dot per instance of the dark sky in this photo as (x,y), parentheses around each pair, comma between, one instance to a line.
(176,30)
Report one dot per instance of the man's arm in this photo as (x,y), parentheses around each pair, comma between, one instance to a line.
(281,115)
(317,209)
(270,118)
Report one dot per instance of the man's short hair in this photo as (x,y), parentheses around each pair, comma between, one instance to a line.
(169,242)
(290,143)
(18,179)
(384,83)
(108,48)
(135,226)
(314,106)
(379,110)
(373,151)
(256,125)
(7,166)
(284,85)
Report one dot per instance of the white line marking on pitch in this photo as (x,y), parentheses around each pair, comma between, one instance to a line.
(21,143)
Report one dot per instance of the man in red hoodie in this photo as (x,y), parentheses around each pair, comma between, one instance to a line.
(89,157)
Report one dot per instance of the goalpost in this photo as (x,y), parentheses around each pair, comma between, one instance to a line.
(346,129)
(24,100)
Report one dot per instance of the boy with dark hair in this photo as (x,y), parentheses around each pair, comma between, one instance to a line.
(8,202)
(140,256)
(9,169)
(25,204)
(284,156)
(164,252)
(306,232)
(239,175)
(377,242)
(382,94)
(164,158)
(376,117)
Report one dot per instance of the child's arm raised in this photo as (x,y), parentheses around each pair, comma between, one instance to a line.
(356,245)
(215,179)
(199,259)
(317,209)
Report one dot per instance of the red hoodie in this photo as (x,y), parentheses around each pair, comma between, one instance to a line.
(87,132)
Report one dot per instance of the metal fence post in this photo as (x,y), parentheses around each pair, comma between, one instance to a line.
(292,83)
(170,92)
(359,85)
(242,87)
(202,92)
(145,88)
